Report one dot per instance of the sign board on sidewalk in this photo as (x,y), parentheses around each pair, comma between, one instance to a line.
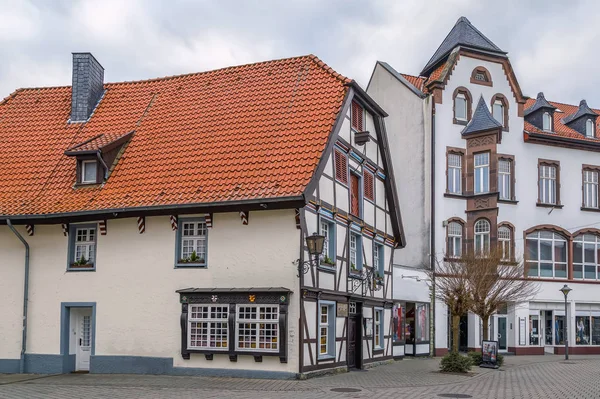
(489,352)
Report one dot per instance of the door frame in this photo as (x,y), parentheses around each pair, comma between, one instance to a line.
(68,359)
(358,348)
(495,331)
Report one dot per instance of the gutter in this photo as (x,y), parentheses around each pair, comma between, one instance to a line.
(25,297)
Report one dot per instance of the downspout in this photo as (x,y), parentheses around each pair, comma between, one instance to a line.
(432,224)
(25,297)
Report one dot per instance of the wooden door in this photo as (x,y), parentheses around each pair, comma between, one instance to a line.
(351,357)
(354,195)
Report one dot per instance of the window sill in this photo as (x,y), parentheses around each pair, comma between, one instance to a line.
(451,195)
(460,122)
(377,350)
(327,268)
(544,205)
(357,274)
(509,202)
(590,209)
(81,269)
(326,357)
(191,266)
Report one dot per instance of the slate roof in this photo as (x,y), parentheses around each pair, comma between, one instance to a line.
(462,34)
(540,102)
(481,121)
(581,111)
(235,134)
(562,112)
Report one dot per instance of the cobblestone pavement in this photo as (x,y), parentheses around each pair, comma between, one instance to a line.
(522,377)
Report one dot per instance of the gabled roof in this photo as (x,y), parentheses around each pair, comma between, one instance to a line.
(462,34)
(583,110)
(102,142)
(481,121)
(410,84)
(245,133)
(540,102)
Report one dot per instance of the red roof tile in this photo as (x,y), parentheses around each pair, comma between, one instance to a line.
(239,133)
(561,129)
(416,81)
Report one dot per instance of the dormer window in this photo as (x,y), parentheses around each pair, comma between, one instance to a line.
(547,122)
(498,111)
(89,172)
(589,128)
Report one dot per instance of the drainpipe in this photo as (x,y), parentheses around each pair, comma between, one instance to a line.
(25,297)
(432,224)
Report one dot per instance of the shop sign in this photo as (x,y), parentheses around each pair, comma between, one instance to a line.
(489,352)
(342,310)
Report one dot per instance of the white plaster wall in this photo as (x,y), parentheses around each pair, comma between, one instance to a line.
(135,282)
(407,288)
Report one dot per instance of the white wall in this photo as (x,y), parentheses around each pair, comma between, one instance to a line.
(135,282)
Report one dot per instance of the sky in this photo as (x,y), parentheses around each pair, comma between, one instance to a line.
(551,44)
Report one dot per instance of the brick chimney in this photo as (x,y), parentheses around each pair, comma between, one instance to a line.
(88,86)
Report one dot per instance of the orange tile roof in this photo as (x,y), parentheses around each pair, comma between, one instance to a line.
(561,129)
(416,81)
(238,133)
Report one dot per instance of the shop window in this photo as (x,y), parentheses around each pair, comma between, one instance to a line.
(590,188)
(398,318)
(454,173)
(482,173)
(559,330)
(596,329)
(326,329)
(482,236)
(582,330)
(454,241)
(546,254)
(207,327)
(192,240)
(328,257)
(534,329)
(378,329)
(585,257)
(257,328)
(422,322)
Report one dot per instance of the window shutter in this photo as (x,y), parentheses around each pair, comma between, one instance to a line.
(369,188)
(341,167)
(357,116)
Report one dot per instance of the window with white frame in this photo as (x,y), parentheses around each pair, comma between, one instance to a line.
(328,231)
(585,257)
(505,242)
(355,253)
(504,179)
(547,122)
(83,246)
(378,261)
(454,173)
(89,172)
(498,111)
(257,328)
(482,236)
(455,235)
(546,254)
(547,184)
(590,188)
(589,128)
(378,329)
(208,327)
(326,329)
(460,107)
(482,172)
(192,242)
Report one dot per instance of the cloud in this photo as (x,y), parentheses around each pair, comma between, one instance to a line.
(550,46)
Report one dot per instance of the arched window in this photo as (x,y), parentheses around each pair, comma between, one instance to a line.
(505,242)
(498,111)
(585,256)
(546,254)
(454,242)
(547,122)
(589,128)
(460,107)
(482,236)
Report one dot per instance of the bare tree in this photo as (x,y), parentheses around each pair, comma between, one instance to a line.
(449,282)
(494,282)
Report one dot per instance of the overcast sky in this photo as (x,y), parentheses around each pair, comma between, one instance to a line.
(552,45)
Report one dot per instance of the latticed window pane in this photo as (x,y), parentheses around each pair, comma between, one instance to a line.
(262,333)
(454,173)
(505,242)
(548,184)
(353,250)
(324,330)
(590,189)
(193,240)
(325,233)
(208,327)
(504,179)
(455,233)
(482,173)
(482,236)
(85,243)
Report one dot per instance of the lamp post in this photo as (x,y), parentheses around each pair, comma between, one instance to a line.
(314,243)
(565,290)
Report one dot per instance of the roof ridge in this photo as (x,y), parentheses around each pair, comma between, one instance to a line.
(570,105)
(329,69)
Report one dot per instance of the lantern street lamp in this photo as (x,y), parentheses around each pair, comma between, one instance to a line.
(565,290)
(314,244)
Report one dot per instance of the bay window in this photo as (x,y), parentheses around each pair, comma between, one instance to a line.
(207,327)
(257,328)
(482,173)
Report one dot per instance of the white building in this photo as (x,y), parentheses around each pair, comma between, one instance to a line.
(159,226)
(506,169)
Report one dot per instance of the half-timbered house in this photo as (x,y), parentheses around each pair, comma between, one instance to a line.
(160,226)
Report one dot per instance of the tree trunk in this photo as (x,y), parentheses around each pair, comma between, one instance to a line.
(486,327)
(455,332)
